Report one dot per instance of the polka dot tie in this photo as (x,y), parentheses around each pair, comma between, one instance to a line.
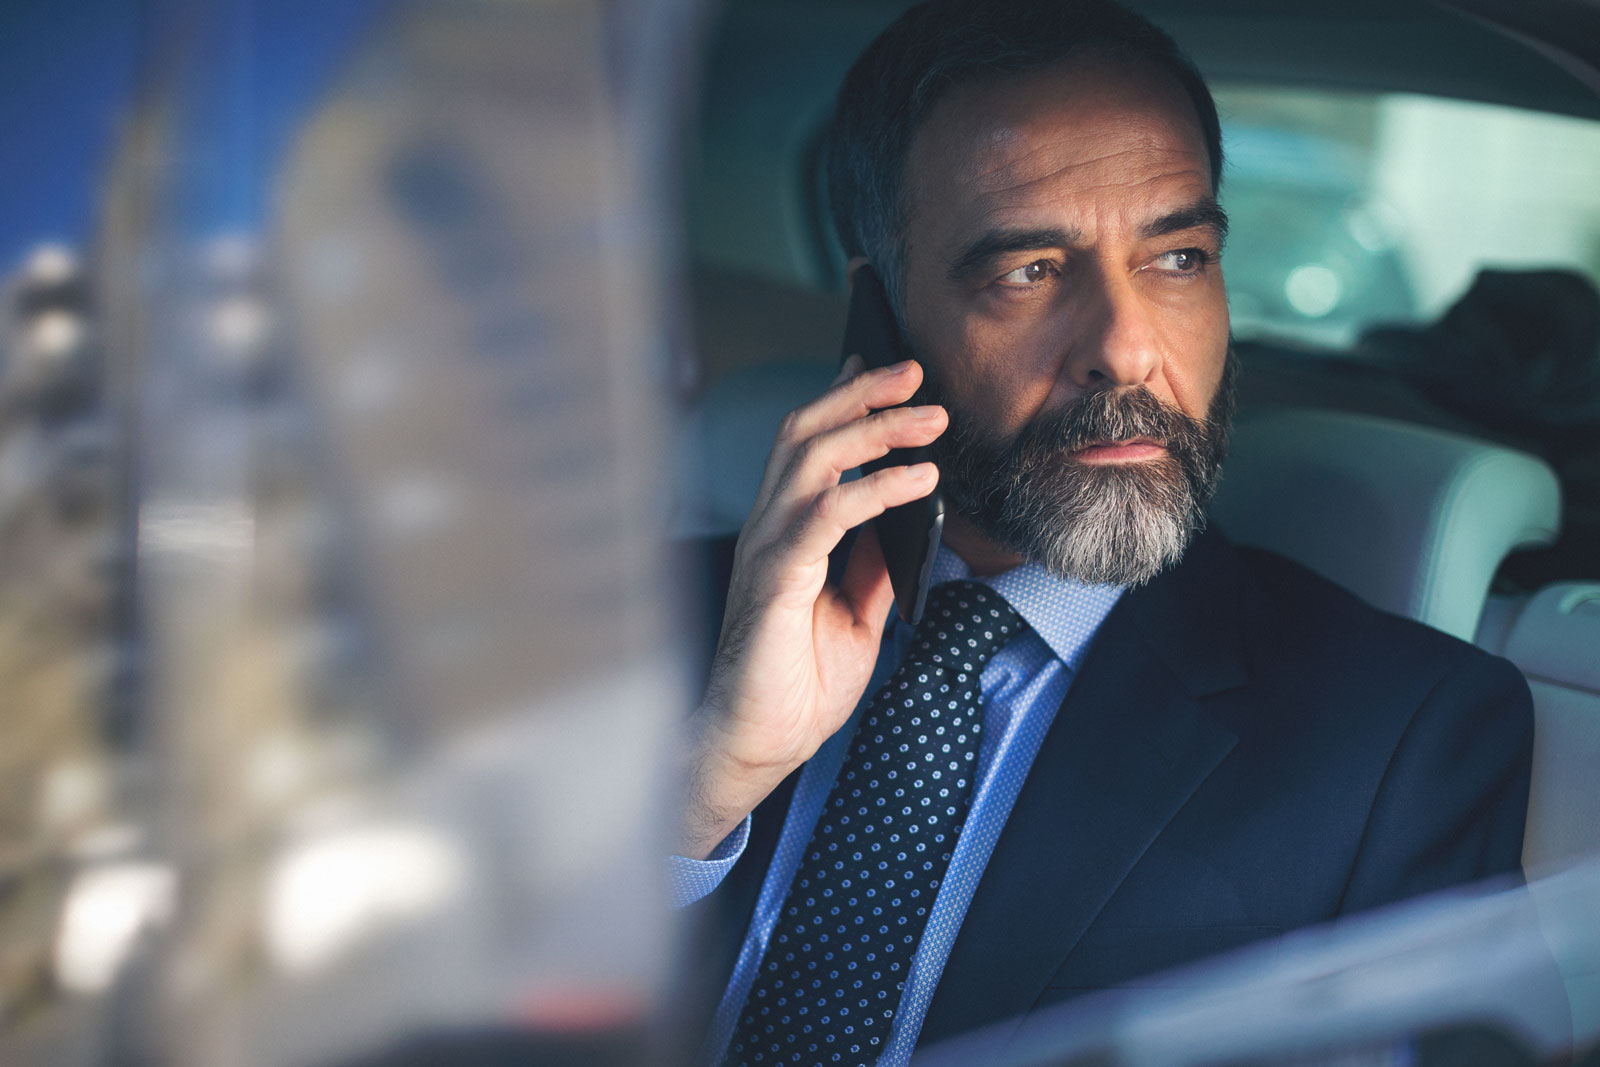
(830,981)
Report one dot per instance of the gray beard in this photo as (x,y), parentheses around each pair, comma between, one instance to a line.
(1117,524)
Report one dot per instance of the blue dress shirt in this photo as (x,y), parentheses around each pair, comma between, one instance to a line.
(1022,687)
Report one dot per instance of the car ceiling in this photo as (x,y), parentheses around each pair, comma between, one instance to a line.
(1390,45)
(1541,54)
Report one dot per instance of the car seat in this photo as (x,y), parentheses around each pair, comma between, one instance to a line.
(1412,519)
(1417,520)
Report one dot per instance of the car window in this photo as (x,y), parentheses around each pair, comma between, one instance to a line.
(1351,209)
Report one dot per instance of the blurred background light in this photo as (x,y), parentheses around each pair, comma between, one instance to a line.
(327,894)
(1313,290)
(105,910)
(54,335)
(50,264)
(338,631)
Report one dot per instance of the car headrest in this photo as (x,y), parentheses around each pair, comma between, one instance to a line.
(1557,634)
(1414,520)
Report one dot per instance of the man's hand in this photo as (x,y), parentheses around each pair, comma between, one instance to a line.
(795,653)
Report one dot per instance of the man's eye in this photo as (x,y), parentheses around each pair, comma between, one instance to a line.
(1183,260)
(1032,274)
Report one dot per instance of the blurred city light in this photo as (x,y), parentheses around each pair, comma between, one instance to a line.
(328,893)
(50,264)
(340,641)
(105,911)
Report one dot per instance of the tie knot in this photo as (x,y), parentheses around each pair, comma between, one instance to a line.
(967,617)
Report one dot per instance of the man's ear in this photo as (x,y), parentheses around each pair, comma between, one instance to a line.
(850,268)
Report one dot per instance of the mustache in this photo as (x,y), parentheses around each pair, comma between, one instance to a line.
(983,470)
(1104,416)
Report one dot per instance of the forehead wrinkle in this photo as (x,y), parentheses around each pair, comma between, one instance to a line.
(1061,158)
(1081,153)
(997,208)
(986,159)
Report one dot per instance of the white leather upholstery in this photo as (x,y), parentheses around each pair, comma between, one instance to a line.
(1555,640)
(1417,521)
(1414,520)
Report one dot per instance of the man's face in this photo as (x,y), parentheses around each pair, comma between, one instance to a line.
(1062,287)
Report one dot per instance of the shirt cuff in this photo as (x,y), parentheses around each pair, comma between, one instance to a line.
(690,880)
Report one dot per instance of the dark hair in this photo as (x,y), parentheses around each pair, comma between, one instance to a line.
(944,43)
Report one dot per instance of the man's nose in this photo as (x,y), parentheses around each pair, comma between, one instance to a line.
(1117,344)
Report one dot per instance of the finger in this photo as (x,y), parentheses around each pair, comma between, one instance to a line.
(851,367)
(855,397)
(847,505)
(820,462)
(852,398)
(865,587)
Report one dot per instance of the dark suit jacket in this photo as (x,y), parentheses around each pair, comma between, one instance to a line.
(1247,749)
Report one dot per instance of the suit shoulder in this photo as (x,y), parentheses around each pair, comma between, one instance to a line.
(1299,617)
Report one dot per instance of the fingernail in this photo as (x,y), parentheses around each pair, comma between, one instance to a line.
(922,471)
(849,368)
(928,412)
(901,367)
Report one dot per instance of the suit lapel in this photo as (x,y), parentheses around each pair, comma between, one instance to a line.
(1129,745)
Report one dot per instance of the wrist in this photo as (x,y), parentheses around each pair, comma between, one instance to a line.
(720,788)
(738,761)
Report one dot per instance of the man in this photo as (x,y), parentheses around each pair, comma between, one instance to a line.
(1143,746)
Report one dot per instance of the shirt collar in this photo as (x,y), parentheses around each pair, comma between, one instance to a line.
(1063,611)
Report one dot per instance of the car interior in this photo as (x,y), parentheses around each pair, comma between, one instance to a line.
(346,659)
(1419,414)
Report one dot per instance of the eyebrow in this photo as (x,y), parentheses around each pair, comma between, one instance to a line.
(976,257)
(996,243)
(1202,214)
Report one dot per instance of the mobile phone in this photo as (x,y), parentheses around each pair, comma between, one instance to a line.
(909,533)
